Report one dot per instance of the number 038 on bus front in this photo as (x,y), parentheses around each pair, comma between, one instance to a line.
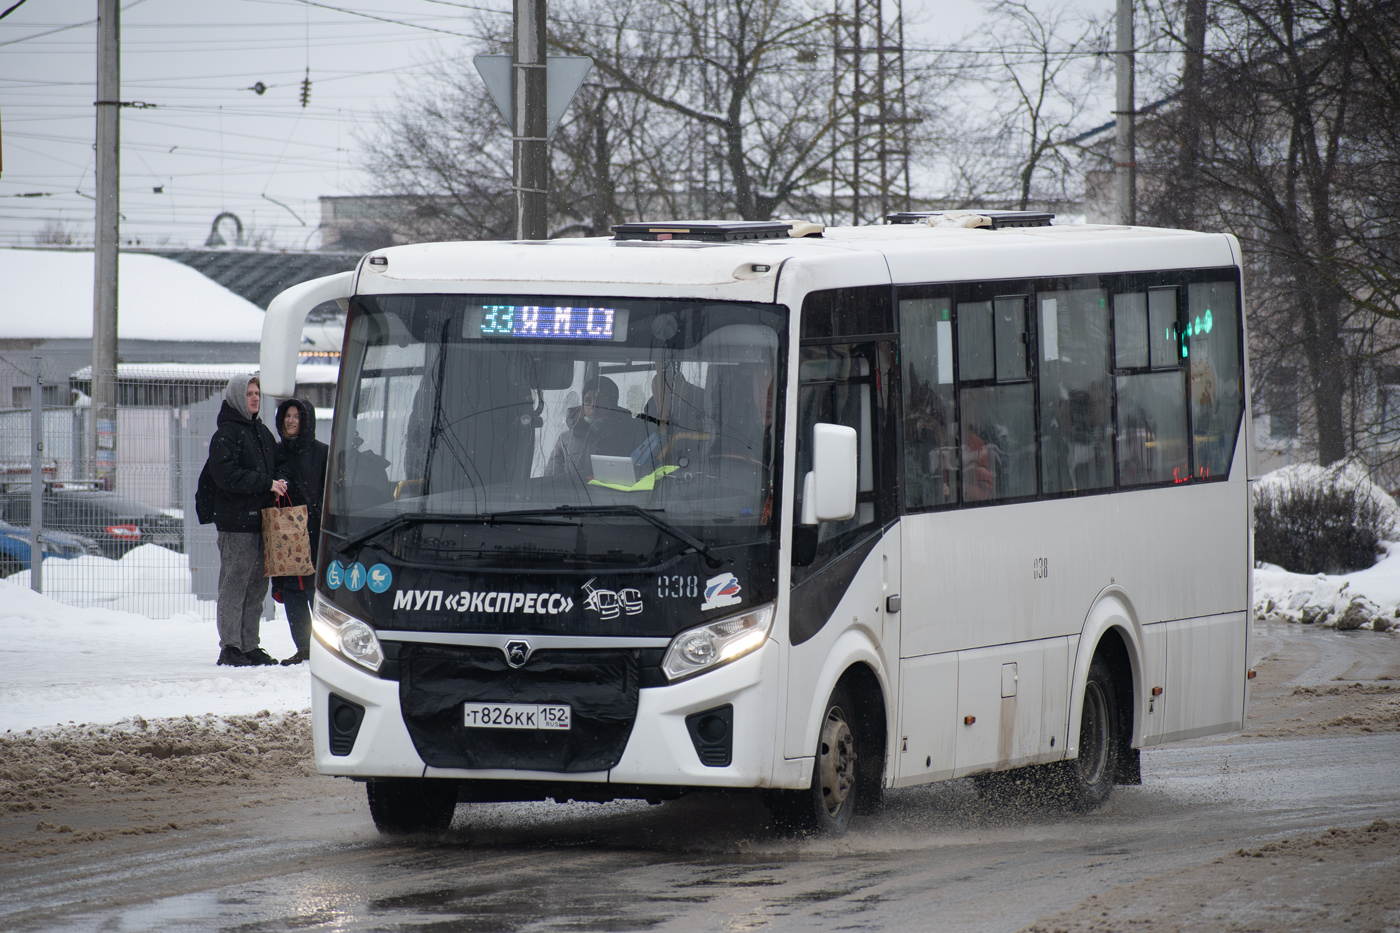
(707,505)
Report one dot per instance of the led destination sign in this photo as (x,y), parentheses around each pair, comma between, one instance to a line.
(547,321)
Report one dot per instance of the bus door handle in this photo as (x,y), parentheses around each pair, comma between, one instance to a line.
(892,603)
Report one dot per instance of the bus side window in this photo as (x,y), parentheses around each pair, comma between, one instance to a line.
(930,410)
(1212,349)
(1151,387)
(996,401)
(1076,391)
(838,385)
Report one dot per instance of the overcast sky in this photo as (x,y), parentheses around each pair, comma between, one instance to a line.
(209,144)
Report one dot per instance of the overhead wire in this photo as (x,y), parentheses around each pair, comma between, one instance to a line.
(12,9)
(62,28)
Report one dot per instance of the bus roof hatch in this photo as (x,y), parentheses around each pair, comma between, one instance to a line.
(990,220)
(714,231)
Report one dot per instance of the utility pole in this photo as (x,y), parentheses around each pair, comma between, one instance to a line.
(1124,149)
(102,425)
(870,158)
(36,476)
(529,90)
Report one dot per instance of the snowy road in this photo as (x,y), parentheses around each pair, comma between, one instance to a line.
(299,853)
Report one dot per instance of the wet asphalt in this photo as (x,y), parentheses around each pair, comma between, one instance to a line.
(935,858)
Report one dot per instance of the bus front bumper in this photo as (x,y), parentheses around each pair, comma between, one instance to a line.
(659,751)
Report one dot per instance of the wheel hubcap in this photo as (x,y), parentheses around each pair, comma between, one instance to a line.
(1093,734)
(836,764)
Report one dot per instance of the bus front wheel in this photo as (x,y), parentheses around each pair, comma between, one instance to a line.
(402,806)
(829,803)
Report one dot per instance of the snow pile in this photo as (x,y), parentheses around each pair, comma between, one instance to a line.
(63,664)
(39,766)
(1363,599)
(1367,599)
(151,580)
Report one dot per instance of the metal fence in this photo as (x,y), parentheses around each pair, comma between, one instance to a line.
(118,526)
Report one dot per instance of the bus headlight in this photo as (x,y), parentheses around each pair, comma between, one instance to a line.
(346,635)
(704,648)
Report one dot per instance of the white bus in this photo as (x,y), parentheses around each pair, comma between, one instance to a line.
(711,505)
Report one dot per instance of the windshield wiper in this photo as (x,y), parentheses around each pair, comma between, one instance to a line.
(406,518)
(712,559)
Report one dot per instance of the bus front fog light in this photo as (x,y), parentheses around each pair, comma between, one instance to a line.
(709,646)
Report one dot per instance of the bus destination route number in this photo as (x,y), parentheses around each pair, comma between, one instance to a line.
(517,716)
(677,586)
(551,322)
(1040,568)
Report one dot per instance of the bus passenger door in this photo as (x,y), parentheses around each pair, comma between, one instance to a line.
(844,573)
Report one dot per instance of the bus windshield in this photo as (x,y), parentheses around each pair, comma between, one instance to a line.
(539,427)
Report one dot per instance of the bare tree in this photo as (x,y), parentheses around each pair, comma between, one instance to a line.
(739,76)
(443,150)
(1295,151)
(54,233)
(1027,96)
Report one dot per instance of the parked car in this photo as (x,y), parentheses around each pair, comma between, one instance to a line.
(14,547)
(117,523)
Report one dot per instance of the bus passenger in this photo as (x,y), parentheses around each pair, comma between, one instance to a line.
(676,403)
(596,426)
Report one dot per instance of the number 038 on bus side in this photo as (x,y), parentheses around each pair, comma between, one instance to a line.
(705,505)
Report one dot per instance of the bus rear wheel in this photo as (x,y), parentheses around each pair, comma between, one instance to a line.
(403,806)
(1086,782)
(829,803)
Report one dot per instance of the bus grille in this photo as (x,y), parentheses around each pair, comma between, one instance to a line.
(599,686)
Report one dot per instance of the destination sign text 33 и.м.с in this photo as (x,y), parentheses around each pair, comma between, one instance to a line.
(552,322)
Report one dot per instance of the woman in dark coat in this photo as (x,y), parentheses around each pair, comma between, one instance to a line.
(301,462)
(242,465)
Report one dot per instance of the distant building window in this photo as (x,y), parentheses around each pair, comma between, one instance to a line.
(1388,401)
(1283,404)
(21,396)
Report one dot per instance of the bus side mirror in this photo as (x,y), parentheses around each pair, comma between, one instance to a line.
(282,325)
(829,489)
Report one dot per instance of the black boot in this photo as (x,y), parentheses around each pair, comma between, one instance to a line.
(259,656)
(229,656)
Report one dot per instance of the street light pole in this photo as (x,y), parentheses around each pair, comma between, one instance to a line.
(1124,154)
(102,426)
(529,83)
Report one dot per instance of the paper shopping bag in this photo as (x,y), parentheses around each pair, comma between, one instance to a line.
(286,542)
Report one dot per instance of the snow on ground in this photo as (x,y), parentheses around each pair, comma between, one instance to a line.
(61,664)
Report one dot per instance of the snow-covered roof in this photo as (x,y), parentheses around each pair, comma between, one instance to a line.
(47,294)
(307,373)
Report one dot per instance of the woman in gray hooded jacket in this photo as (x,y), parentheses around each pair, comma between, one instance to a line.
(242,465)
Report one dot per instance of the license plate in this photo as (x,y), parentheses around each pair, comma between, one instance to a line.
(517,716)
